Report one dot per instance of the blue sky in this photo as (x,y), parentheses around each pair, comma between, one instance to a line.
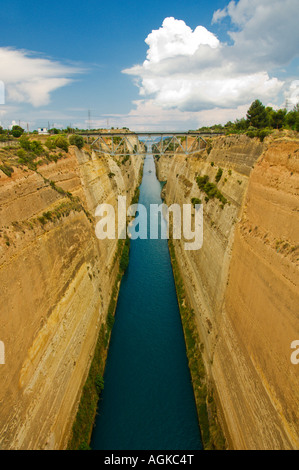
(205,61)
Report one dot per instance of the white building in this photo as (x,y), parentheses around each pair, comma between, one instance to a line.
(43,131)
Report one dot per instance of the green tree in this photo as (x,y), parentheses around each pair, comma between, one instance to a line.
(277,118)
(17,131)
(77,140)
(257,115)
(50,143)
(62,143)
(292,117)
(25,143)
(219,175)
(241,124)
(99,383)
(54,131)
(36,147)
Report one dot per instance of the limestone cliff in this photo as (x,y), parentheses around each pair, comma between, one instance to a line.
(56,280)
(243,283)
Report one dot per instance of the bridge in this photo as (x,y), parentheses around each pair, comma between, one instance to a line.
(117,143)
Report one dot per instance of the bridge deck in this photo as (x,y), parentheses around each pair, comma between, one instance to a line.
(149,133)
(123,143)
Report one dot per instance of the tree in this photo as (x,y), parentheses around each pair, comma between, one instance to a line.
(54,131)
(292,117)
(50,143)
(77,140)
(99,383)
(241,124)
(17,131)
(1,130)
(25,143)
(36,147)
(277,118)
(62,143)
(257,115)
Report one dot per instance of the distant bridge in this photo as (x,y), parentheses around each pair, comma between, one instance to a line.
(123,143)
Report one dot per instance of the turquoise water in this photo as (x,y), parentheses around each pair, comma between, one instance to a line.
(148,401)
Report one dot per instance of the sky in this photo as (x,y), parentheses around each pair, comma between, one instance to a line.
(145,65)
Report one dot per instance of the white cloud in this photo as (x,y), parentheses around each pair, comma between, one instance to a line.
(219,15)
(2,92)
(30,79)
(2,114)
(265,31)
(192,71)
(175,38)
(147,115)
(292,94)
(206,91)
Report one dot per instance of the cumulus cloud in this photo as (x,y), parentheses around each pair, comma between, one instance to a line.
(175,38)
(192,70)
(292,94)
(30,79)
(147,115)
(205,91)
(2,92)
(264,31)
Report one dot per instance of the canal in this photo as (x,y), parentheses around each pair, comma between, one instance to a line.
(148,401)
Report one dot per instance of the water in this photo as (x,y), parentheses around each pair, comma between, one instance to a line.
(148,401)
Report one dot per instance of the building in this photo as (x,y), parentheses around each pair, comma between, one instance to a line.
(43,131)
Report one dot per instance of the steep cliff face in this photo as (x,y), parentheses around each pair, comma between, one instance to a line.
(243,283)
(56,280)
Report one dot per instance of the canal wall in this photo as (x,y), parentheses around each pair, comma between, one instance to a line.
(57,281)
(243,284)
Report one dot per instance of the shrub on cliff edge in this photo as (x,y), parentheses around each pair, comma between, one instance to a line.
(77,140)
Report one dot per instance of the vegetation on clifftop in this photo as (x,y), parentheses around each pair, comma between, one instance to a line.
(27,152)
(260,121)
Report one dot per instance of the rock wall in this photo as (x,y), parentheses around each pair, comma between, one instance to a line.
(243,283)
(56,280)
